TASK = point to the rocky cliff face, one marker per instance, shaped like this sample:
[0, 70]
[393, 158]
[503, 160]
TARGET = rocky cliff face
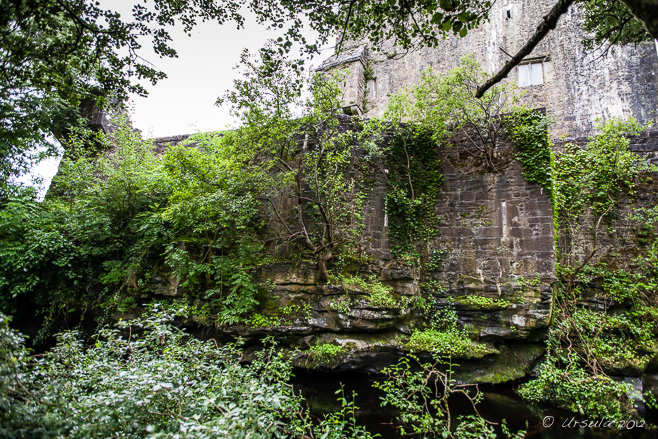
[492, 260]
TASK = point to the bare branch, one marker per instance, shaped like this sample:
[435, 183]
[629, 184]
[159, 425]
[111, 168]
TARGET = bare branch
[548, 23]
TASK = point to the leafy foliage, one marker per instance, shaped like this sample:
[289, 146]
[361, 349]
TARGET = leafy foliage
[97, 232]
[593, 177]
[372, 289]
[452, 343]
[422, 391]
[342, 424]
[612, 23]
[407, 24]
[444, 336]
[209, 210]
[528, 130]
[610, 341]
[577, 390]
[589, 181]
[146, 378]
[414, 178]
[482, 302]
[65, 59]
[326, 353]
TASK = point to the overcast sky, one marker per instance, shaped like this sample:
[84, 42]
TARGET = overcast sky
[184, 102]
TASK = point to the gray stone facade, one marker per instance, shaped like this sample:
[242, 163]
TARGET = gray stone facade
[577, 87]
[496, 237]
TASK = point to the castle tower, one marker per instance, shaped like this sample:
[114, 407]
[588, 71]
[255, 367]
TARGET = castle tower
[574, 86]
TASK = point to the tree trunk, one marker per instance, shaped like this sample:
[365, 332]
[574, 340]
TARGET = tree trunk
[647, 12]
[322, 266]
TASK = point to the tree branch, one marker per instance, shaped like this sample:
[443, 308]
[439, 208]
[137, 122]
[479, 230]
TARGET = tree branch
[339, 46]
[647, 12]
[548, 23]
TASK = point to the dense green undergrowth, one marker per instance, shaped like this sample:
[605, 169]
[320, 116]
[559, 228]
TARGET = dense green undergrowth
[146, 378]
[605, 317]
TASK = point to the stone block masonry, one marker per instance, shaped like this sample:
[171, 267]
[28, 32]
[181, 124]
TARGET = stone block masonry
[496, 241]
[575, 87]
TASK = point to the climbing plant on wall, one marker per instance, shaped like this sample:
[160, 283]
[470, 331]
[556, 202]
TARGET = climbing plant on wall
[585, 345]
[414, 178]
[528, 130]
[589, 182]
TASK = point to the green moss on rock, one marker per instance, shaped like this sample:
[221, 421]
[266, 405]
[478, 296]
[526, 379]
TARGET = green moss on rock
[454, 343]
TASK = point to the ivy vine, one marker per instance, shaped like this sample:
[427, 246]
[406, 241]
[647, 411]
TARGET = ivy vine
[528, 130]
[414, 179]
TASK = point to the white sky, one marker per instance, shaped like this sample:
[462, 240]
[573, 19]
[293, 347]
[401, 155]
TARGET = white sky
[184, 102]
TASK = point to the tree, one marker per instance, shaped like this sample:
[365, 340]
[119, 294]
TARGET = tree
[446, 104]
[306, 153]
[612, 23]
[645, 11]
[58, 54]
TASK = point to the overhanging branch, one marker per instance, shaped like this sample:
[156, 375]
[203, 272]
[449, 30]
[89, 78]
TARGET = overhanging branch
[547, 24]
[647, 12]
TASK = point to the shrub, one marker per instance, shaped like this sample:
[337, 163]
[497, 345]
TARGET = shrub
[452, 342]
[147, 379]
[576, 390]
[325, 353]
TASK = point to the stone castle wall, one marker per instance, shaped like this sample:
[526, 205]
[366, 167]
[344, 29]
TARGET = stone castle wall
[496, 237]
[495, 234]
[578, 87]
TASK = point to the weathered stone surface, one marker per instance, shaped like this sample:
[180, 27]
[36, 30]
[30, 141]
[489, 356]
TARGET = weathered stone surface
[352, 63]
[290, 274]
[366, 353]
[162, 143]
[514, 362]
[578, 87]
[497, 241]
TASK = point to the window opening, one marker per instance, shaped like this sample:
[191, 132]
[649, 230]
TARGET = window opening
[371, 85]
[531, 74]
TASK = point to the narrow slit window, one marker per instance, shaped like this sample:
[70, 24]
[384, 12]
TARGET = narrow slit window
[371, 85]
[509, 13]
